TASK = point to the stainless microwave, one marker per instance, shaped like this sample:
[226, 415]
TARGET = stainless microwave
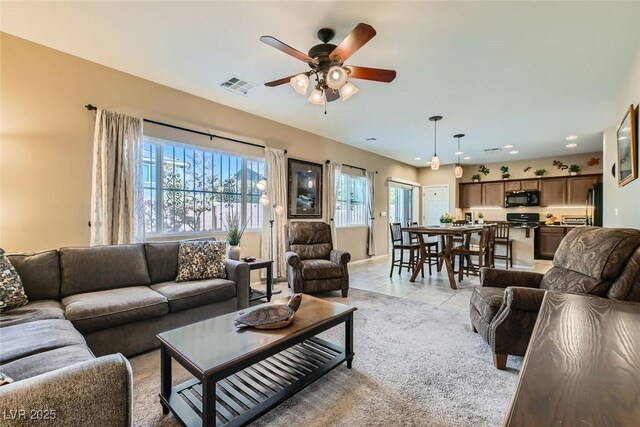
[514, 199]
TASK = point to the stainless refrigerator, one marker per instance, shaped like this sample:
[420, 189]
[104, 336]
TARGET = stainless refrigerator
[594, 205]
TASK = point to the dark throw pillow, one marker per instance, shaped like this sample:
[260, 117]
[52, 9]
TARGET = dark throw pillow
[11, 290]
[201, 260]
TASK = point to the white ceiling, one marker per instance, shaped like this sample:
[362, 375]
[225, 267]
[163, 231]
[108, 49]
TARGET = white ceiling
[521, 73]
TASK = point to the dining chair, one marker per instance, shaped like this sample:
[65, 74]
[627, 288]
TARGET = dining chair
[502, 239]
[483, 251]
[433, 249]
[401, 244]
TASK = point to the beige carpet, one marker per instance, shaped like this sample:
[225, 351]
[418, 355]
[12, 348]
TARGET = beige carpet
[415, 365]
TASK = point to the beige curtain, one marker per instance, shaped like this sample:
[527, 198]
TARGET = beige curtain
[333, 183]
[117, 214]
[371, 242]
[275, 170]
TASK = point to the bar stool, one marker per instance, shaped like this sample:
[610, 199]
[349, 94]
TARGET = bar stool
[483, 251]
[400, 244]
[432, 256]
[502, 239]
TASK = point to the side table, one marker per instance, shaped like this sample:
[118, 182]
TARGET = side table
[259, 264]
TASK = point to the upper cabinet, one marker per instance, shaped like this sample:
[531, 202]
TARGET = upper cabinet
[512, 186]
[530, 184]
[470, 195]
[493, 194]
[578, 187]
[553, 192]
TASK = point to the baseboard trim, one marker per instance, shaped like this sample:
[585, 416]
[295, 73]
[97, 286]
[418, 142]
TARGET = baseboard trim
[361, 261]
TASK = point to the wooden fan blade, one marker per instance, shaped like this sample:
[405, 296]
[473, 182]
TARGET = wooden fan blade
[274, 42]
[331, 95]
[280, 81]
[375, 74]
[357, 38]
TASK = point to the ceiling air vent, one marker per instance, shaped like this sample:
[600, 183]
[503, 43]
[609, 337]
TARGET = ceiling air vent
[238, 85]
[492, 150]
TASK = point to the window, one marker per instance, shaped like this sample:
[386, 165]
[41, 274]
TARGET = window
[191, 189]
[351, 206]
[400, 204]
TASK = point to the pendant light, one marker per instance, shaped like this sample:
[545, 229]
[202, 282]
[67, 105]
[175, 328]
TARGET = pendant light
[435, 161]
[457, 172]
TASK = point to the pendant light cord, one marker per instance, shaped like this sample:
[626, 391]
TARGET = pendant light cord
[435, 138]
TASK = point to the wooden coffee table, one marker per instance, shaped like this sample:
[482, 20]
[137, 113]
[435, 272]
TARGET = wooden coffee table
[241, 374]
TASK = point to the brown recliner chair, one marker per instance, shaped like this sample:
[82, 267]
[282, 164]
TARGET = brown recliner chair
[590, 260]
[312, 263]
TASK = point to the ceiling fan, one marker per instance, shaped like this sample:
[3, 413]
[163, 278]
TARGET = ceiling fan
[327, 63]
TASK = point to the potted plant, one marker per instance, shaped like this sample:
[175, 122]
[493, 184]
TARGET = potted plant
[574, 169]
[446, 220]
[504, 170]
[234, 229]
[539, 172]
[476, 177]
[480, 218]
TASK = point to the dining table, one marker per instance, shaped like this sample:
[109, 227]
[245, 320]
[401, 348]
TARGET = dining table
[447, 233]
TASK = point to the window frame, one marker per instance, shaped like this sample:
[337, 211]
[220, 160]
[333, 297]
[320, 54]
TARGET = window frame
[160, 143]
[365, 197]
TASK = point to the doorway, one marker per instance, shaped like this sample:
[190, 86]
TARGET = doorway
[435, 202]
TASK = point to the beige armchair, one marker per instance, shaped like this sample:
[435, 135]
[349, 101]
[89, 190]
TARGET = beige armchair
[312, 263]
[590, 260]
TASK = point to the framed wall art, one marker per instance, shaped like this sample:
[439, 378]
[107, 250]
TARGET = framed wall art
[305, 189]
[627, 139]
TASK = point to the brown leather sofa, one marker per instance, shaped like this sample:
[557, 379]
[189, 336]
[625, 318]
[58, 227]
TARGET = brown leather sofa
[590, 260]
[312, 263]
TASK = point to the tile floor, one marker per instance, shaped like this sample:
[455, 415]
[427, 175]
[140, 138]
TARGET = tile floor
[373, 275]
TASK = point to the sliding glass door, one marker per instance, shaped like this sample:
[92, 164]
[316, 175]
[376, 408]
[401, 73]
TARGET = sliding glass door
[400, 203]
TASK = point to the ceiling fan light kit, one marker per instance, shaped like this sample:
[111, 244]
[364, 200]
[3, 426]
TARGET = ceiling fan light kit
[327, 63]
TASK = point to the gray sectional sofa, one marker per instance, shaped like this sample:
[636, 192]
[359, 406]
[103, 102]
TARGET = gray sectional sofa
[87, 308]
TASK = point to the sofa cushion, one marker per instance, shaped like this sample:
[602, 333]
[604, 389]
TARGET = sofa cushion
[30, 338]
[564, 280]
[35, 310]
[40, 274]
[597, 252]
[46, 361]
[320, 269]
[162, 261]
[11, 290]
[99, 268]
[184, 295]
[93, 311]
[487, 301]
[201, 260]
[627, 285]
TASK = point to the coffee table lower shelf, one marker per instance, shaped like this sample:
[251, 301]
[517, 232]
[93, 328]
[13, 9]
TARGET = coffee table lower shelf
[245, 395]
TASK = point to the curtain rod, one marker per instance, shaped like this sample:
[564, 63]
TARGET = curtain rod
[350, 166]
[91, 107]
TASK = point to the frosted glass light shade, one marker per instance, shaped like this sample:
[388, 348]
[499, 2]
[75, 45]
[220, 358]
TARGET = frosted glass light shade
[347, 91]
[435, 163]
[336, 77]
[457, 172]
[262, 185]
[264, 200]
[317, 97]
[300, 83]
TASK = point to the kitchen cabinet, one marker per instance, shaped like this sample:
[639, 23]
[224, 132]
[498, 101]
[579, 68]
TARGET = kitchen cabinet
[470, 195]
[547, 241]
[578, 187]
[553, 192]
[493, 194]
[512, 186]
[530, 184]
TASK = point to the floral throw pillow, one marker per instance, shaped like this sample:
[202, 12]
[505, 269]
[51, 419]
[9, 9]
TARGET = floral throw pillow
[11, 291]
[201, 260]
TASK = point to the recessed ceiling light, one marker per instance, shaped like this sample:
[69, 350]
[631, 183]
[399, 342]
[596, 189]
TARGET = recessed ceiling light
[428, 163]
[571, 137]
[513, 152]
[458, 153]
[372, 139]
[572, 145]
[508, 146]
[418, 158]
[466, 158]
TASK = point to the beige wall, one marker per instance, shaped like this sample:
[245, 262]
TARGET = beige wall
[47, 135]
[621, 203]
